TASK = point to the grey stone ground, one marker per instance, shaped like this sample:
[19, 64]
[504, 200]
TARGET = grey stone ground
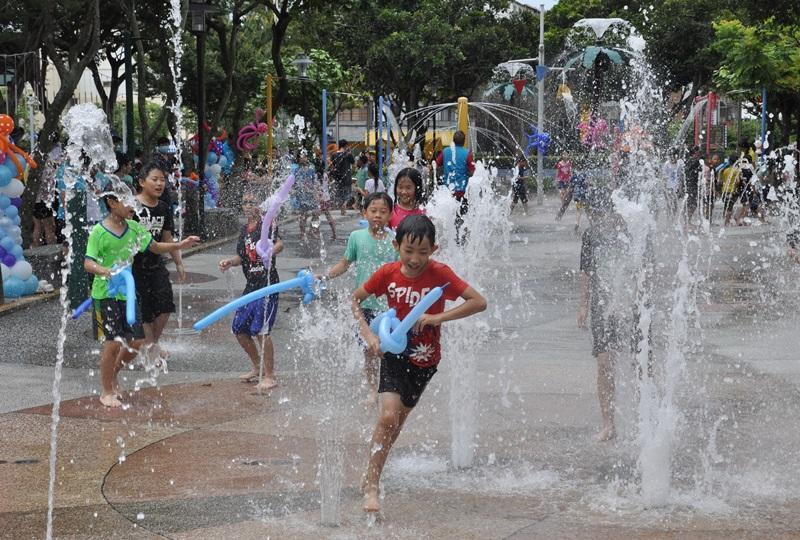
[537, 471]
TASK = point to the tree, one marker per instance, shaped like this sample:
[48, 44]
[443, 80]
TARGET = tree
[412, 50]
[763, 55]
[69, 34]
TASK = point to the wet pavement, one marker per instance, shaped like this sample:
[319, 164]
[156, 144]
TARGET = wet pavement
[206, 456]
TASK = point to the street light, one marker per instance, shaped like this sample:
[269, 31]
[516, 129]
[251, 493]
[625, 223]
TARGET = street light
[541, 70]
[197, 13]
[302, 63]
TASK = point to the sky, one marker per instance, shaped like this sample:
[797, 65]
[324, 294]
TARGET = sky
[535, 3]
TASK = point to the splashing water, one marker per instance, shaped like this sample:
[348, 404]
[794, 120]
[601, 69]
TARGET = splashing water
[467, 248]
[89, 136]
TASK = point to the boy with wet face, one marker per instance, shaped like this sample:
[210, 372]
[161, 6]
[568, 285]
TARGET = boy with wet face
[403, 377]
[605, 296]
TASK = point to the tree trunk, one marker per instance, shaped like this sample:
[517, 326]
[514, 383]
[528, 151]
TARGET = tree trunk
[278, 34]
[87, 46]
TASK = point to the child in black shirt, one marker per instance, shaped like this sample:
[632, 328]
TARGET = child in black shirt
[257, 317]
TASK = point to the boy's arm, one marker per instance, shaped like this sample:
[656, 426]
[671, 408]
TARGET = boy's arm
[277, 247]
[583, 308]
[339, 268]
[373, 343]
[176, 255]
[473, 303]
[224, 264]
[169, 247]
[93, 267]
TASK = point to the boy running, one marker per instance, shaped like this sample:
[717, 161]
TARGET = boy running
[114, 241]
[403, 377]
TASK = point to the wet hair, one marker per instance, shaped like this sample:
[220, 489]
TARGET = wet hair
[414, 175]
[122, 159]
[416, 227]
[343, 143]
[361, 160]
[382, 195]
[733, 158]
[459, 138]
[373, 170]
[162, 141]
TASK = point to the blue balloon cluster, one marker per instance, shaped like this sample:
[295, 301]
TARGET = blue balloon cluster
[220, 160]
[18, 278]
[539, 142]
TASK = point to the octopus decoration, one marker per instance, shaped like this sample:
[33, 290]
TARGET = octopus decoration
[249, 134]
[8, 148]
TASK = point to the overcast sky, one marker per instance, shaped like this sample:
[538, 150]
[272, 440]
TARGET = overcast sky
[535, 3]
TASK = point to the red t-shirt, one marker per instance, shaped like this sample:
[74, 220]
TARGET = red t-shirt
[403, 293]
[399, 214]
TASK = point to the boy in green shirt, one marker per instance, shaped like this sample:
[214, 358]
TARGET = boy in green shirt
[115, 241]
[369, 248]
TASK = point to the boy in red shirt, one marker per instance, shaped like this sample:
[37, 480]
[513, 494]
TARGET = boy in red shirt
[403, 377]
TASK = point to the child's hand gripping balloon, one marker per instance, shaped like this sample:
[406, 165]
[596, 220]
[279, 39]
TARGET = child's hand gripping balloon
[393, 332]
[264, 246]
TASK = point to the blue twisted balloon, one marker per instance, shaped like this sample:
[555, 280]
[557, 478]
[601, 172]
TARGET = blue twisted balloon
[393, 332]
[537, 141]
[121, 282]
[305, 280]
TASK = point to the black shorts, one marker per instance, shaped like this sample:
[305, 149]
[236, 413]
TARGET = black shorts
[400, 376]
[520, 193]
[154, 293]
[110, 314]
[609, 333]
[42, 211]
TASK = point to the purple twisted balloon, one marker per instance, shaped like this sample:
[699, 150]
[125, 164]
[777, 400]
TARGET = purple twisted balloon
[264, 245]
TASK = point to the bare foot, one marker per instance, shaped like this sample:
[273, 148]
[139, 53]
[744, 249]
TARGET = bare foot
[250, 376]
[372, 502]
[267, 383]
[110, 400]
[608, 433]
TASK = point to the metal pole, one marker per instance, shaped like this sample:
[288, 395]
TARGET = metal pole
[388, 138]
[324, 129]
[130, 144]
[269, 122]
[31, 125]
[201, 120]
[540, 113]
[380, 137]
[338, 137]
[763, 119]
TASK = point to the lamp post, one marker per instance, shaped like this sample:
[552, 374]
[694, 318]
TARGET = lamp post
[302, 63]
[197, 15]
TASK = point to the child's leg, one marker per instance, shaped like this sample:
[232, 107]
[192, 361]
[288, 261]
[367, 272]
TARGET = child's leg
[371, 364]
[36, 236]
[108, 374]
[249, 346]
[605, 394]
[391, 418]
[268, 354]
[153, 330]
[301, 222]
[127, 352]
[331, 223]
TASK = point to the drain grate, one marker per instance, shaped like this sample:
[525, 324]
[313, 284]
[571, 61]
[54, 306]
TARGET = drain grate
[27, 461]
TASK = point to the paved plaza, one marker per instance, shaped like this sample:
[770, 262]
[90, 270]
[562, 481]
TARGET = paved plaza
[206, 456]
